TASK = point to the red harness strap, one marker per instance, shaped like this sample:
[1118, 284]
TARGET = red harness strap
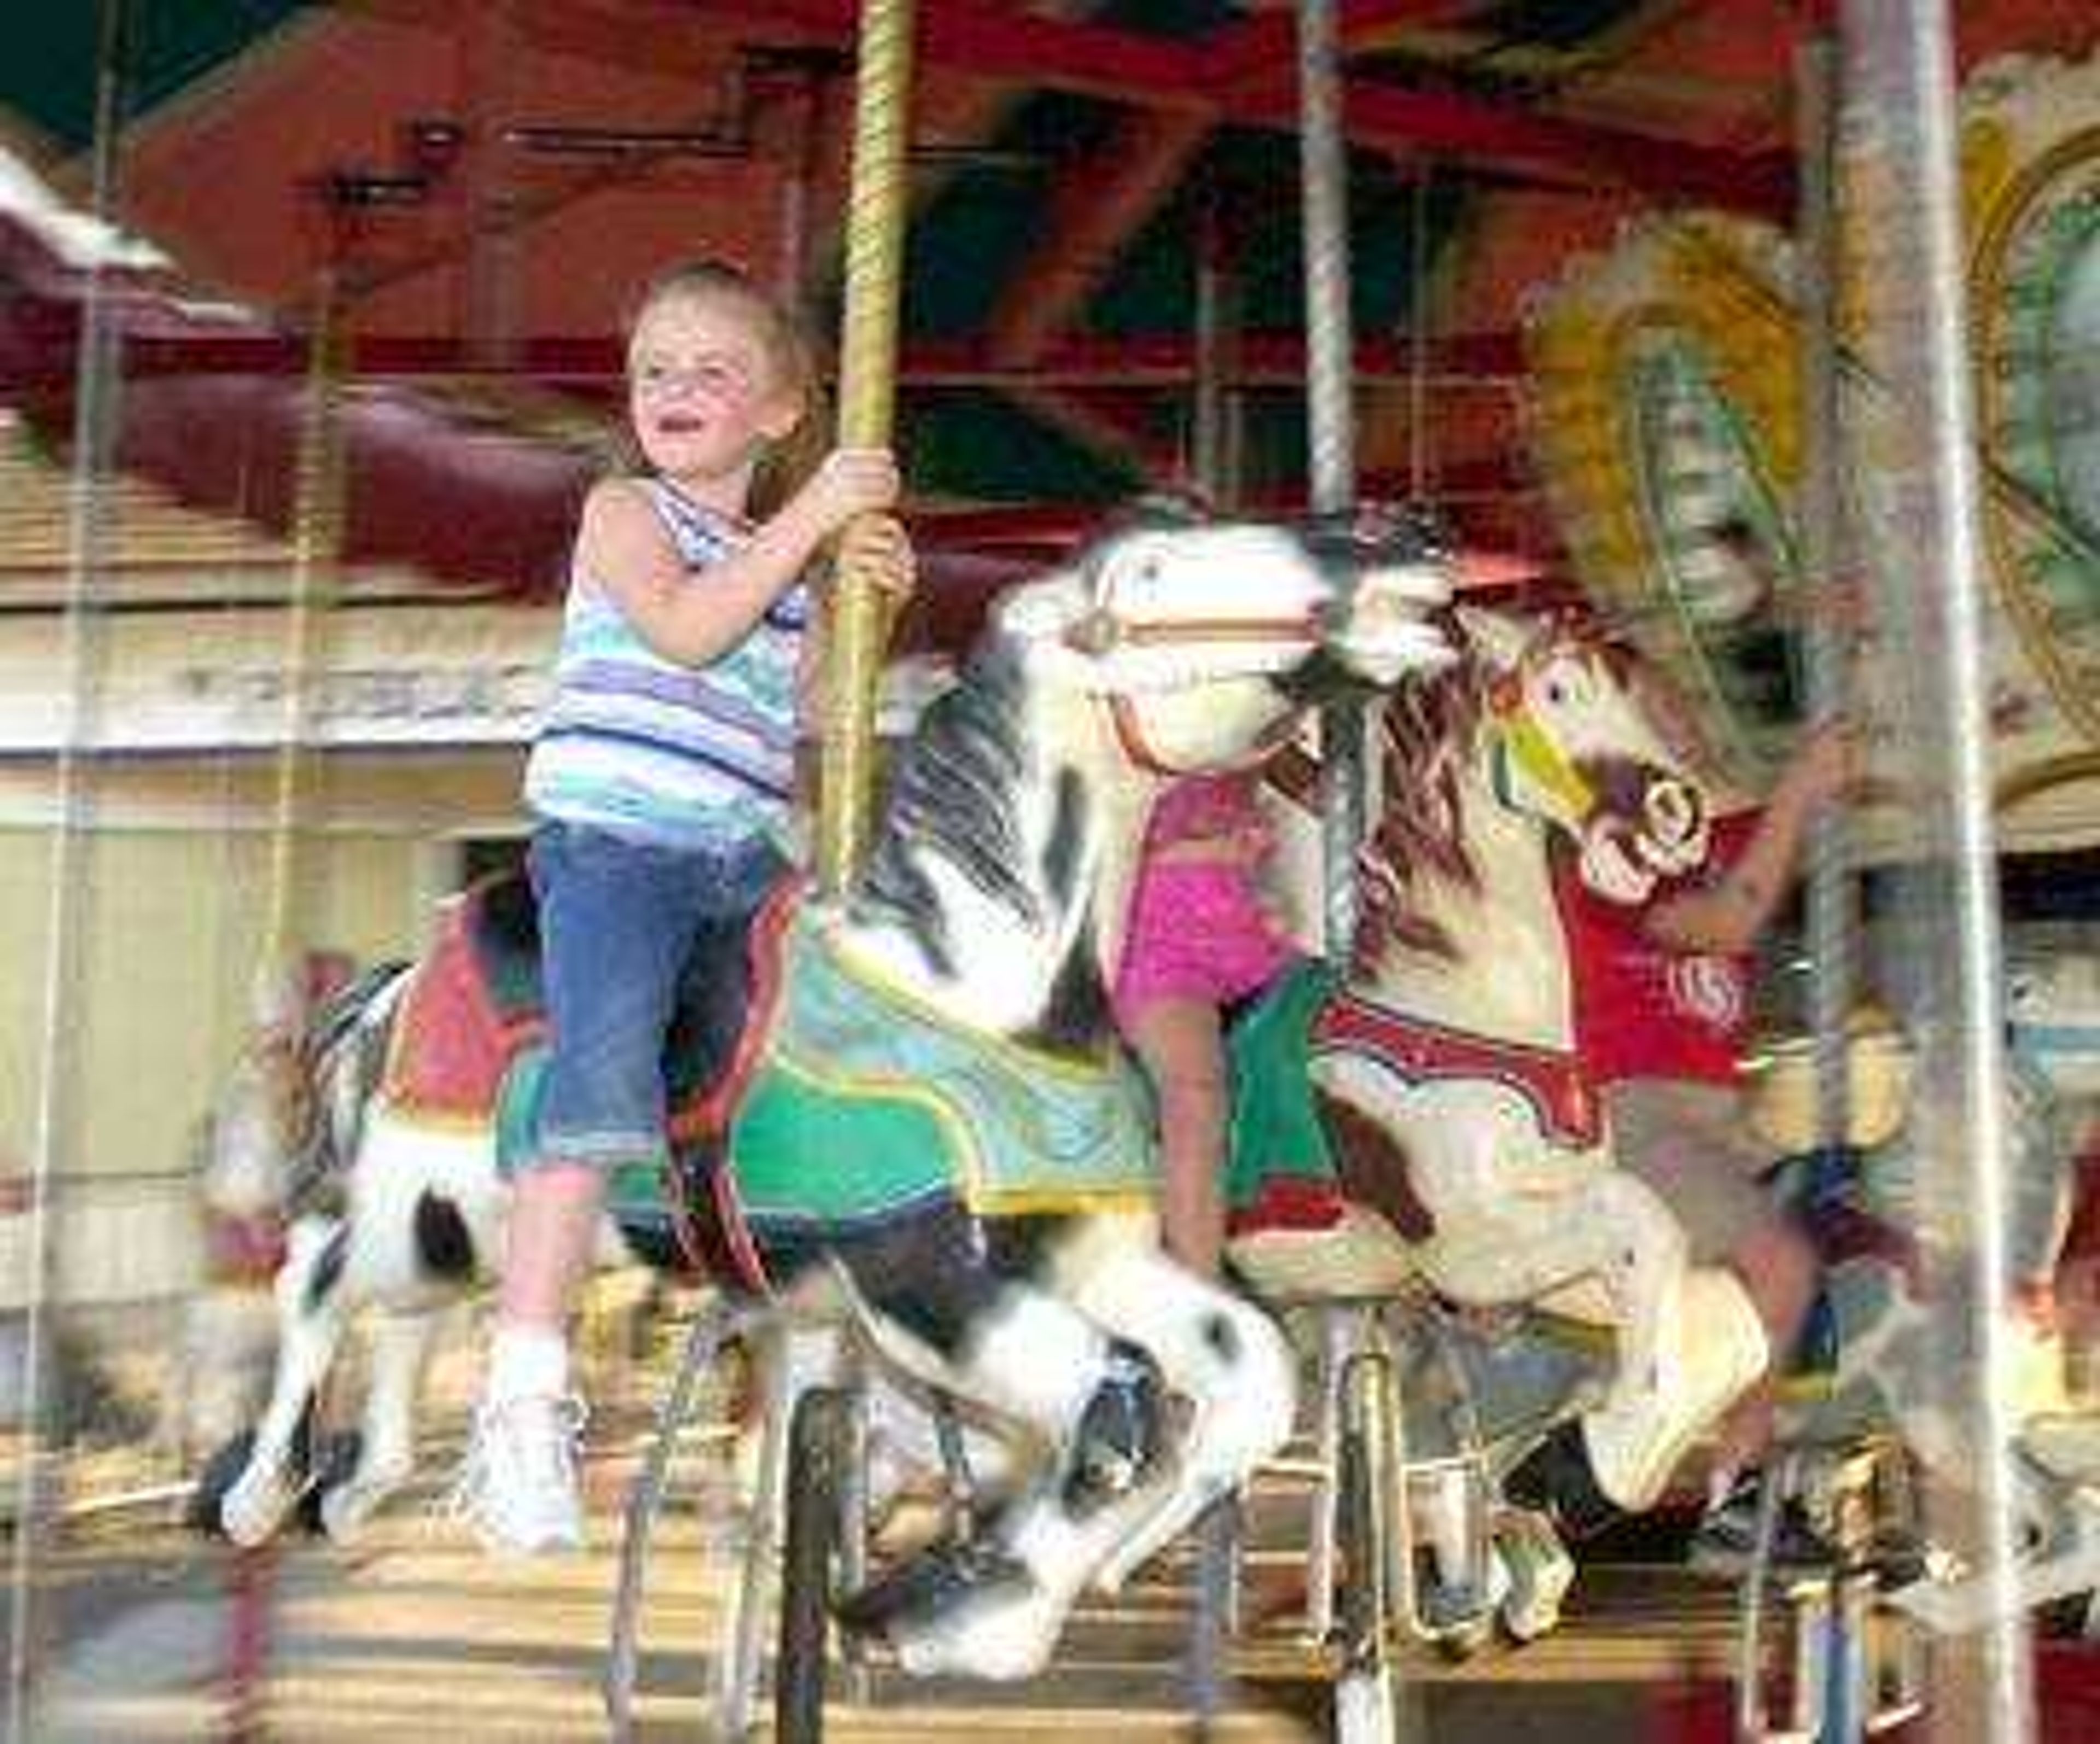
[1420, 1051]
[715, 1236]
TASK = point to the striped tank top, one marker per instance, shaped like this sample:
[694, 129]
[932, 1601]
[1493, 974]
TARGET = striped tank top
[642, 747]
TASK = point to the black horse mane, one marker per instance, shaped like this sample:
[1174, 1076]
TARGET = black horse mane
[951, 794]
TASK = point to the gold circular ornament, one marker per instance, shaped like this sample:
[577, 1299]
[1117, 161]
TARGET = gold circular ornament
[1664, 422]
[2035, 333]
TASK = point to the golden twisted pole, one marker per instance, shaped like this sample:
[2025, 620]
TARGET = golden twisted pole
[317, 523]
[867, 392]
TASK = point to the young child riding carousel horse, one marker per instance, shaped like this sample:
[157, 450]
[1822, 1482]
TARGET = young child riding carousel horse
[1663, 1014]
[1201, 937]
[663, 778]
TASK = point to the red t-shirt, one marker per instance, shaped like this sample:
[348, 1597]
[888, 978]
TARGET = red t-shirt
[1642, 1009]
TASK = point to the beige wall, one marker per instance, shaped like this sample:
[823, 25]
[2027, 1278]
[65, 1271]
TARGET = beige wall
[171, 908]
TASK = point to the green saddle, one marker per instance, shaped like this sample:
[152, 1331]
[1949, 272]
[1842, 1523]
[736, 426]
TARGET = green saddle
[866, 1101]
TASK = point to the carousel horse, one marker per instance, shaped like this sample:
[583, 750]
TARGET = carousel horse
[271, 1148]
[1886, 1345]
[921, 1103]
[281, 1109]
[1451, 1137]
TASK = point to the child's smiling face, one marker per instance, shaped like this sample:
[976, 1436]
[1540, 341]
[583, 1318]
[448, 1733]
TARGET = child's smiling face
[703, 392]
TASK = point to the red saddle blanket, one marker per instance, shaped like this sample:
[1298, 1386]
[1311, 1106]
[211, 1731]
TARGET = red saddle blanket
[452, 1042]
[474, 1005]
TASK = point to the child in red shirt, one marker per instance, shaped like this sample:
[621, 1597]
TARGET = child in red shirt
[1663, 1000]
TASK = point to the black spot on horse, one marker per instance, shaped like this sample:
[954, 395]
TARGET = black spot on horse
[328, 1268]
[951, 795]
[1068, 828]
[1075, 1015]
[444, 1243]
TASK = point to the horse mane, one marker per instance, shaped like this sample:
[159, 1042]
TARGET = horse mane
[951, 795]
[1427, 732]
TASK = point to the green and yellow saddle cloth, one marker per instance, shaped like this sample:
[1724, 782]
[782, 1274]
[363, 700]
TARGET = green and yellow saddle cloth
[861, 1102]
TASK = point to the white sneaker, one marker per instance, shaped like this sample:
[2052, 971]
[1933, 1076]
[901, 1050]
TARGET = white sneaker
[518, 1484]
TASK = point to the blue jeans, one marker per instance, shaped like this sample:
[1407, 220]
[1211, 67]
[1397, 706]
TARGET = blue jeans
[618, 919]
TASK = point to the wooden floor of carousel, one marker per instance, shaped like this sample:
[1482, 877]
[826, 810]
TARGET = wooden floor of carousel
[417, 1634]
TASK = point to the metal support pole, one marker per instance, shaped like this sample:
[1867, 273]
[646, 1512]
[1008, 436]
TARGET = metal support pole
[1212, 470]
[97, 410]
[1832, 910]
[1330, 424]
[1213, 447]
[867, 385]
[1899, 86]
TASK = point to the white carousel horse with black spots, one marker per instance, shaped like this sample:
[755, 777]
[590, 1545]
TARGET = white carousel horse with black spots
[940, 1053]
[1468, 1149]
[273, 1150]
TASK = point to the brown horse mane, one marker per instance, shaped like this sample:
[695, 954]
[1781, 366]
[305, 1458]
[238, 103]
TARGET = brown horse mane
[1429, 730]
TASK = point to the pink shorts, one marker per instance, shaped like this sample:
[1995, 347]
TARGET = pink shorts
[1196, 932]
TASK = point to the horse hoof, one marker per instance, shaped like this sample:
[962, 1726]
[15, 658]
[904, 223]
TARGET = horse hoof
[217, 1476]
[1557, 1479]
[334, 1483]
[1001, 1634]
[913, 1595]
[969, 1610]
[255, 1507]
[1460, 1642]
[1537, 1572]
[341, 1515]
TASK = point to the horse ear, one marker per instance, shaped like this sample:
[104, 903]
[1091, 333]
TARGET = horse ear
[1162, 510]
[1498, 640]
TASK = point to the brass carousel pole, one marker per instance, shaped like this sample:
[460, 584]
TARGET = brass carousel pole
[856, 628]
[316, 549]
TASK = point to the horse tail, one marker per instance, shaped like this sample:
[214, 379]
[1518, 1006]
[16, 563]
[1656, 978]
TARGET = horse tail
[346, 1058]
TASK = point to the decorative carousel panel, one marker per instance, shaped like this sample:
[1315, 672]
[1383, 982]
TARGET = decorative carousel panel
[1665, 424]
[1665, 421]
[2031, 161]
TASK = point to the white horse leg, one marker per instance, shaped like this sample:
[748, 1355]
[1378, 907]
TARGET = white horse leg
[1691, 1343]
[1689, 1339]
[400, 1342]
[1538, 1570]
[310, 1292]
[1116, 1487]
[1039, 1362]
[1219, 1351]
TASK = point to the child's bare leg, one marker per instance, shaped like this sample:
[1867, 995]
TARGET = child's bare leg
[1182, 1046]
[519, 1485]
[553, 1232]
[1778, 1267]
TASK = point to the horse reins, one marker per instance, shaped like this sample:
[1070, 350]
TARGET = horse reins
[1103, 630]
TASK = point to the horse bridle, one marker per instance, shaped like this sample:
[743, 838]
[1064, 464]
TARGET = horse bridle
[1105, 629]
[1534, 752]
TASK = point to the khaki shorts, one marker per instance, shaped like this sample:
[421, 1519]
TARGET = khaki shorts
[1691, 1140]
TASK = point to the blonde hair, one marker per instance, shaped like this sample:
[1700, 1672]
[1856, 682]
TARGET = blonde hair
[789, 350]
